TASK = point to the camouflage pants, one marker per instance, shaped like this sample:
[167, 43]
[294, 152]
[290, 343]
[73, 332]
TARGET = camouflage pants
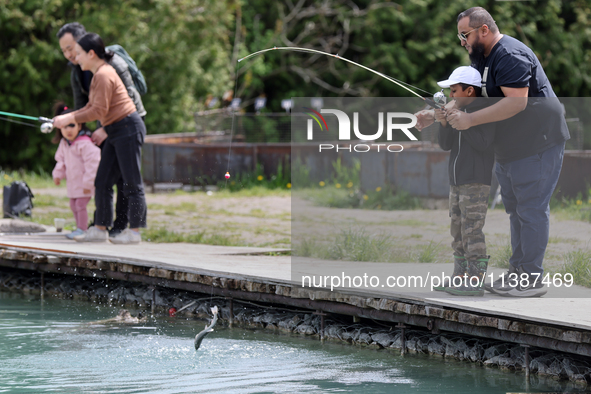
[467, 209]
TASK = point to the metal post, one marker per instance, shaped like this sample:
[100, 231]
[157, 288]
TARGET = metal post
[153, 306]
[402, 338]
[526, 361]
[321, 314]
[231, 312]
[42, 285]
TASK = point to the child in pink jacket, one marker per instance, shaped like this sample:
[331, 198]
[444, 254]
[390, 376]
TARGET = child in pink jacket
[77, 161]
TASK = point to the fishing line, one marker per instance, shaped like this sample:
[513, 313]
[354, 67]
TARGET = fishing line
[18, 122]
[46, 127]
[232, 131]
[437, 101]
[393, 80]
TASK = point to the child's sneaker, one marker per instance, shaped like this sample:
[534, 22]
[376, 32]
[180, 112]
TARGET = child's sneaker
[127, 236]
[93, 235]
[75, 233]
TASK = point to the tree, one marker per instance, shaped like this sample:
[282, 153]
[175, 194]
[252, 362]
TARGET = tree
[180, 52]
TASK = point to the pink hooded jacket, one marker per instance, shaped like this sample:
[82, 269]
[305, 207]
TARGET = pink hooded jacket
[77, 163]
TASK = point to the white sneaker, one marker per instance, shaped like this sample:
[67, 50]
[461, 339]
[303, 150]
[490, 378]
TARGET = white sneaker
[93, 234]
[127, 236]
[75, 233]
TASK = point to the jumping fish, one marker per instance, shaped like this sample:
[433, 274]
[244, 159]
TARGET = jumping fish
[199, 337]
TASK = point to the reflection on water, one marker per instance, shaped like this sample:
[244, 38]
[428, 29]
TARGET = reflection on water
[50, 347]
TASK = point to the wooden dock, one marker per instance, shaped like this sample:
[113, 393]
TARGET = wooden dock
[559, 321]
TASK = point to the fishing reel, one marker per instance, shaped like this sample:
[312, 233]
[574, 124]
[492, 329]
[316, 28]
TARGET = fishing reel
[439, 98]
[47, 125]
[439, 101]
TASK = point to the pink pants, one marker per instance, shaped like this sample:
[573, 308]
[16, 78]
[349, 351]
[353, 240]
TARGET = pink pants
[78, 206]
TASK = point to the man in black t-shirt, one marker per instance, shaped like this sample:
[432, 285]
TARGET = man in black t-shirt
[529, 142]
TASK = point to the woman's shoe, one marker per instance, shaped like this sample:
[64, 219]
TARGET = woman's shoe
[75, 233]
[93, 235]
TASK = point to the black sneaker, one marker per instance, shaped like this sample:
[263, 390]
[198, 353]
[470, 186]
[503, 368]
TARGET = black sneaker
[505, 283]
[532, 287]
[115, 232]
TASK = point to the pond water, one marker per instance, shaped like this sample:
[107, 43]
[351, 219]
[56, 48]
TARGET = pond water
[48, 346]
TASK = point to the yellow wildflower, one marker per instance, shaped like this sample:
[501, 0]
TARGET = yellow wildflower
[365, 197]
[350, 184]
[289, 185]
[321, 183]
[260, 177]
[378, 189]
[338, 185]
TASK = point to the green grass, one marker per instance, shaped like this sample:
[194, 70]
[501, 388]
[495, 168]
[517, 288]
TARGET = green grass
[557, 240]
[388, 198]
[331, 197]
[253, 191]
[347, 196]
[429, 253]
[47, 200]
[500, 254]
[350, 244]
[35, 180]
[411, 223]
[357, 244]
[577, 263]
[578, 208]
[162, 235]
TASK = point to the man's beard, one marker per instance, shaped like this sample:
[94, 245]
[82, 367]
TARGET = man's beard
[477, 55]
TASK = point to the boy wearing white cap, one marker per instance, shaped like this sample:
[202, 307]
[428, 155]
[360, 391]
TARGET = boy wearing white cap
[470, 172]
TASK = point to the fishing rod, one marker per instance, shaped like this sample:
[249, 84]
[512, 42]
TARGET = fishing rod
[46, 126]
[438, 100]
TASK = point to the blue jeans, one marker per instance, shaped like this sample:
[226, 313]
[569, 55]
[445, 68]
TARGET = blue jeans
[526, 188]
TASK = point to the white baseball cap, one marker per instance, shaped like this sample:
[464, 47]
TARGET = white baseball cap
[465, 74]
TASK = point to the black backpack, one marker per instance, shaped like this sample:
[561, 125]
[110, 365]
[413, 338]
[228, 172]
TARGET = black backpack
[18, 200]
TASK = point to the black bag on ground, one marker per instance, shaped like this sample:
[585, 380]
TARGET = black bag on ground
[18, 200]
